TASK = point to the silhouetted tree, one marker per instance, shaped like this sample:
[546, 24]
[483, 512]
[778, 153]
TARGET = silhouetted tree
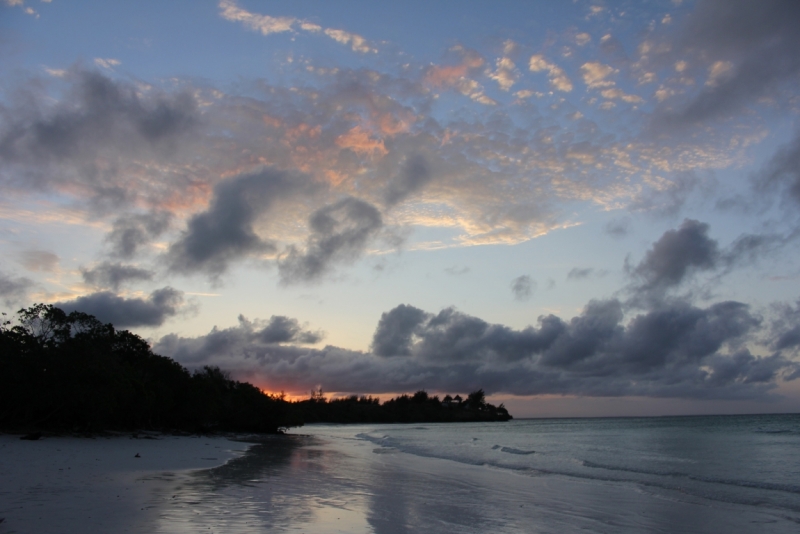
[70, 371]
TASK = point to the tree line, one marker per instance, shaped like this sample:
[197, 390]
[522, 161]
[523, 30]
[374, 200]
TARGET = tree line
[70, 372]
[416, 408]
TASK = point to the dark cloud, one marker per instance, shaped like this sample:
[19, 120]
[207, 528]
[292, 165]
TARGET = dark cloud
[413, 177]
[249, 338]
[396, 330]
[678, 350]
[785, 329]
[82, 137]
[675, 255]
[759, 39]
[126, 313]
[577, 273]
[339, 233]
[226, 231]
[114, 275]
[618, 228]
[130, 232]
[681, 253]
[14, 289]
[97, 112]
[523, 287]
[782, 174]
[749, 248]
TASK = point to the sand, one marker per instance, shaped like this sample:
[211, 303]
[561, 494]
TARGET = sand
[69, 484]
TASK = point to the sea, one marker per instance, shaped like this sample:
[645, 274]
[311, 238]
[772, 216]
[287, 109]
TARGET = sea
[731, 473]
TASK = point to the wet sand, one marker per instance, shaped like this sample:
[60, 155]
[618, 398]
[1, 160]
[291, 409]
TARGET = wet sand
[66, 484]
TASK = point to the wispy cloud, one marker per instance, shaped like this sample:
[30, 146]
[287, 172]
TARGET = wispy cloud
[267, 25]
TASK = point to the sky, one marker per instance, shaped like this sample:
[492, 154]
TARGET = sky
[585, 208]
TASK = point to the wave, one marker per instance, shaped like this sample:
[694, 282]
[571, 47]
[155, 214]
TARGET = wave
[788, 488]
[512, 450]
[666, 479]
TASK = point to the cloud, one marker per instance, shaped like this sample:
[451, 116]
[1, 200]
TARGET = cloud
[414, 175]
[267, 25]
[618, 228]
[128, 312]
[130, 232]
[460, 76]
[679, 254]
[784, 332]
[676, 255]
[339, 233]
[356, 42]
[505, 73]
[108, 63]
[89, 142]
[523, 287]
[14, 289]
[226, 231]
[396, 329]
[361, 133]
[249, 338]
[757, 42]
[261, 23]
[782, 173]
[21, 4]
[114, 275]
[676, 351]
[39, 260]
[457, 271]
[97, 113]
[558, 78]
[670, 196]
[577, 273]
[595, 75]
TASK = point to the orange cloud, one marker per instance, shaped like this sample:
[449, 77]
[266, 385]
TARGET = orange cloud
[359, 141]
[445, 76]
[335, 178]
[271, 122]
[450, 75]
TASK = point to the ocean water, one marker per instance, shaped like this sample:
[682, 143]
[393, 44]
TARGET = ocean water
[745, 459]
[617, 475]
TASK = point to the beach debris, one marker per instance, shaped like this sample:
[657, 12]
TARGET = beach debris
[137, 455]
[33, 436]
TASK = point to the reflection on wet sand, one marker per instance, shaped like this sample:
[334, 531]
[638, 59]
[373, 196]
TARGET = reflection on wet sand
[301, 483]
[281, 483]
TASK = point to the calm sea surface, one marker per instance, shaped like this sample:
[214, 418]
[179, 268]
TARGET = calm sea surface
[667, 474]
[745, 459]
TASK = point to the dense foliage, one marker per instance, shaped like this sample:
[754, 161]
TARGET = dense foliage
[416, 408]
[63, 371]
[70, 372]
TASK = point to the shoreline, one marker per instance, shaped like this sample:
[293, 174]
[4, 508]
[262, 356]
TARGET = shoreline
[323, 479]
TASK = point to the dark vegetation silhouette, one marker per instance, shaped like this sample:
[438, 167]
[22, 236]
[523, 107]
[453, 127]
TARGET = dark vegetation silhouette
[70, 372]
[417, 408]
